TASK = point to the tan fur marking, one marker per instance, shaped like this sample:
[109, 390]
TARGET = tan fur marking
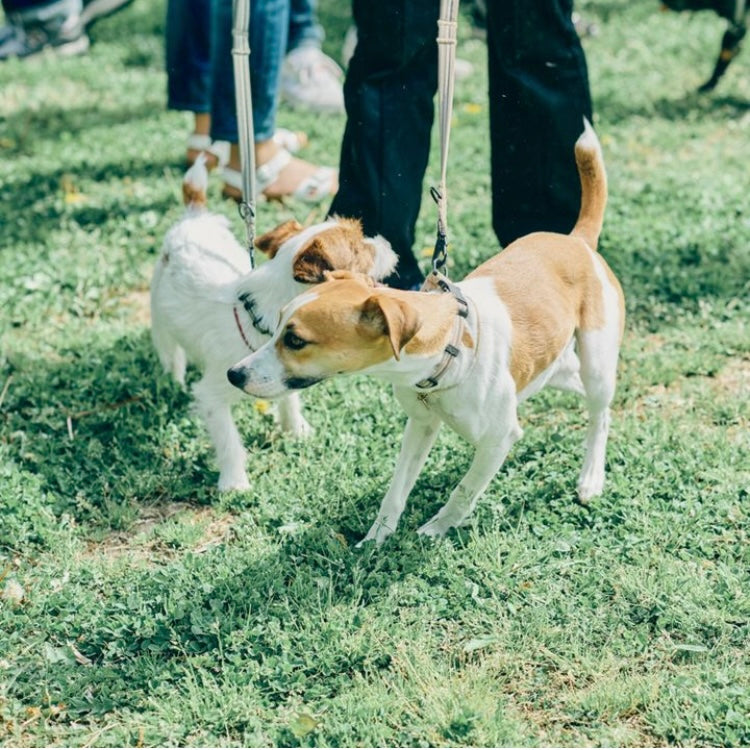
[191, 195]
[549, 286]
[341, 246]
[270, 242]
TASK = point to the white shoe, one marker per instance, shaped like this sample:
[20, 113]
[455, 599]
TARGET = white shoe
[311, 80]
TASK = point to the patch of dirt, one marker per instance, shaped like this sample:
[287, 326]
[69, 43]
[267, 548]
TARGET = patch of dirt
[139, 302]
[139, 544]
[731, 383]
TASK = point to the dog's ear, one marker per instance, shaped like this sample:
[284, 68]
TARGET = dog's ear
[270, 242]
[312, 263]
[389, 316]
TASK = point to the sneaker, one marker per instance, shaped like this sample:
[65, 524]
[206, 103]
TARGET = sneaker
[56, 26]
[64, 35]
[311, 80]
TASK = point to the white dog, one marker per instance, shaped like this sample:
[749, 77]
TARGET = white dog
[546, 310]
[209, 308]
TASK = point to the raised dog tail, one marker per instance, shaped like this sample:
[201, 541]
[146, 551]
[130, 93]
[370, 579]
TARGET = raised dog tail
[593, 176]
[195, 184]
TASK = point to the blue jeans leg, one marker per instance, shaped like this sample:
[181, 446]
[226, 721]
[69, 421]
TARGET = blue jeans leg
[188, 55]
[304, 29]
[269, 27]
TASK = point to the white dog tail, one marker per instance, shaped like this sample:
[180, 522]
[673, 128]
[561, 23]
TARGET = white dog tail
[195, 183]
[593, 176]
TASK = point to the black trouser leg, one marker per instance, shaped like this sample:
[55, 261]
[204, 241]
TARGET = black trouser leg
[539, 94]
[389, 90]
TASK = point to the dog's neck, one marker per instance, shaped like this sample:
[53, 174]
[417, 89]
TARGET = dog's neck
[263, 293]
[423, 365]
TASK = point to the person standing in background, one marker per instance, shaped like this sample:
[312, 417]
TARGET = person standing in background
[539, 94]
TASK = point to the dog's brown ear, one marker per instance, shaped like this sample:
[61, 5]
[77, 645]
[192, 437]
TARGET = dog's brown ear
[270, 242]
[312, 263]
[392, 317]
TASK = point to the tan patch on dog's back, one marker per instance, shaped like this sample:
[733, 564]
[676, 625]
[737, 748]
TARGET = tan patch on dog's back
[549, 286]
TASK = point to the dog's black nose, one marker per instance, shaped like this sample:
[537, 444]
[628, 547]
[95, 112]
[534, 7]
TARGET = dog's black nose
[236, 376]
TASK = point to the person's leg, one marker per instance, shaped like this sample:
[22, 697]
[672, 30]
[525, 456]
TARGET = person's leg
[539, 95]
[268, 34]
[188, 55]
[188, 63]
[389, 90]
[268, 38]
[304, 29]
[309, 79]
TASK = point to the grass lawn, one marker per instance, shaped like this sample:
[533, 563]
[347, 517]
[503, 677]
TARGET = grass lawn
[141, 607]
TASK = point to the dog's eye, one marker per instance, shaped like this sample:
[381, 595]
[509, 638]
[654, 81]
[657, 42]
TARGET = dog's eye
[293, 341]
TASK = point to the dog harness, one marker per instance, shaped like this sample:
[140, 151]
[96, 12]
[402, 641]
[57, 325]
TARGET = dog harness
[440, 283]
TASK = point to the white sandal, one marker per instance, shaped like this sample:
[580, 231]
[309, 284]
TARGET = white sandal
[292, 141]
[218, 149]
[319, 185]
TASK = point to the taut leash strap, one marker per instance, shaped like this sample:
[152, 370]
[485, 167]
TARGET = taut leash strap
[244, 104]
[446, 41]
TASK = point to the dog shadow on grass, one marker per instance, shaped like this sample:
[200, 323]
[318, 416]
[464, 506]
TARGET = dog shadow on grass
[688, 106]
[106, 431]
[100, 196]
[47, 122]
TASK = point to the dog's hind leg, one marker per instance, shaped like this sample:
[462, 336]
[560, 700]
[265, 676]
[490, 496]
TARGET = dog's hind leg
[488, 458]
[213, 403]
[567, 376]
[171, 354]
[598, 354]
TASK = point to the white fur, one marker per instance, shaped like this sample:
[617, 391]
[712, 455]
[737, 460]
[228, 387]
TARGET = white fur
[197, 283]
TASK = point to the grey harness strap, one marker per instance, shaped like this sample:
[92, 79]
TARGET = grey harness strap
[441, 283]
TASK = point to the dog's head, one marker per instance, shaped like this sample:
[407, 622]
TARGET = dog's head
[337, 244]
[344, 325]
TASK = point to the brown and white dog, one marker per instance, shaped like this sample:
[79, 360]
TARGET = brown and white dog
[545, 311]
[209, 308]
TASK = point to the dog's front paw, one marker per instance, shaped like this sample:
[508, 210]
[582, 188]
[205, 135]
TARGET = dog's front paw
[230, 482]
[590, 485]
[435, 527]
[378, 533]
[301, 429]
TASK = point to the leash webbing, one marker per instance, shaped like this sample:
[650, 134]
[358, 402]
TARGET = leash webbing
[446, 41]
[244, 105]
